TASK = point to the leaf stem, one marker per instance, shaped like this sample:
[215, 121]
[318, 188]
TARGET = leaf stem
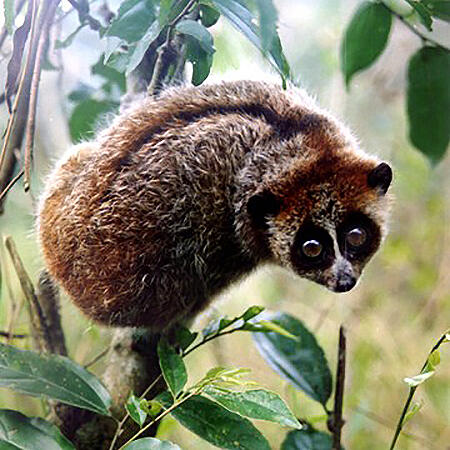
[415, 30]
[161, 416]
[210, 338]
[412, 390]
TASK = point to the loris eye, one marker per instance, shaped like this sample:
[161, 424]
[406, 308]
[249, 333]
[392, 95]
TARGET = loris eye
[356, 237]
[312, 248]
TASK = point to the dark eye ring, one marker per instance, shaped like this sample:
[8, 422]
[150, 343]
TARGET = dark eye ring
[356, 237]
[312, 248]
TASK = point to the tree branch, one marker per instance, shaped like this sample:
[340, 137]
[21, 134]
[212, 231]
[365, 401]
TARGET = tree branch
[158, 71]
[336, 423]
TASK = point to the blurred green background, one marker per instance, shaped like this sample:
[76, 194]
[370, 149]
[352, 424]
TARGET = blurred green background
[396, 313]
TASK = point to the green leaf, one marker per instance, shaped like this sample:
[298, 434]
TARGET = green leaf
[198, 32]
[120, 59]
[81, 92]
[53, 376]
[208, 15]
[413, 410]
[268, 18]
[438, 8]
[423, 13]
[217, 425]
[307, 439]
[271, 326]
[301, 361]
[152, 407]
[251, 312]
[223, 378]
[434, 359]
[110, 74]
[418, 379]
[135, 410]
[365, 38]
[86, 115]
[151, 444]
[165, 7]
[254, 327]
[172, 366]
[142, 46]
[428, 104]
[21, 432]
[8, 12]
[223, 322]
[184, 337]
[133, 20]
[243, 20]
[217, 325]
[255, 404]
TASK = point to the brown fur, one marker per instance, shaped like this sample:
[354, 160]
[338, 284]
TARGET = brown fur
[143, 226]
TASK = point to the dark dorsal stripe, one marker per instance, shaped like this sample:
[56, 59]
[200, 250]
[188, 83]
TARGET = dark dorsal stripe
[284, 127]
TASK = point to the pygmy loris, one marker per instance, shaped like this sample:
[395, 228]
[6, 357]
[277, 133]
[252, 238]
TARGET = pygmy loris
[186, 193]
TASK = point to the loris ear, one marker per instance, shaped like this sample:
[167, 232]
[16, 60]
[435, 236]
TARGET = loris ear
[261, 206]
[380, 178]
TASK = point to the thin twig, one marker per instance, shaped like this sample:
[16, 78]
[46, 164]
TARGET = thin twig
[31, 123]
[412, 390]
[19, 112]
[37, 318]
[14, 307]
[337, 420]
[11, 184]
[414, 30]
[96, 358]
[21, 88]
[48, 297]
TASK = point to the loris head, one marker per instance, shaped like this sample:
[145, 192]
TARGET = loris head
[326, 218]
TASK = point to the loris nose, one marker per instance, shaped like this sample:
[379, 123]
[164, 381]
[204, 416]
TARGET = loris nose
[345, 283]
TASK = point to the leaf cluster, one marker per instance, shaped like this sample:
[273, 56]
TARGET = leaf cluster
[428, 89]
[148, 29]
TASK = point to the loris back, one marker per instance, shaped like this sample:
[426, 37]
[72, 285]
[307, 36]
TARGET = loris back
[184, 194]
